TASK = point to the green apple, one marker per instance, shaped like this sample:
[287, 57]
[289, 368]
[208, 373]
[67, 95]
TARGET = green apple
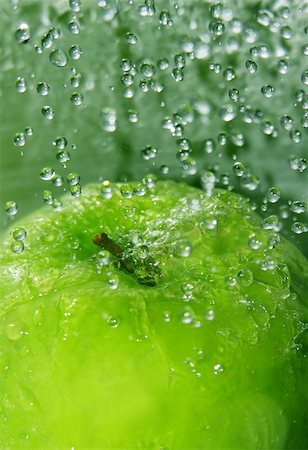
[151, 316]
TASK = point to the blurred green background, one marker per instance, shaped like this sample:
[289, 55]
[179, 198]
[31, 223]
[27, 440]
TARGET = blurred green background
[209, 39]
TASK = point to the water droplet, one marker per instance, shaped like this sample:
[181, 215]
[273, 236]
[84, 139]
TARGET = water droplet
[286, 122]
[149, 152]
[267, 90]
[229, 74]
[305, 49]
[60, 142]
[179, 61]
[47, 173]
[48, 197]
[109, 120]
[295, 136]
[270, 223]
[74, 27]
[267, 128]
[239, 169]
[23, 34]
[43, 88]
[73, 178]
[112, 280]
[182, 248]
[11, 208]
[286, 32]
[127, 79]
[234, 95]
[217, 27]
[63, 157]
[29, 131]
[208, 145]
[106, 190]
[58, 58]
[75, 190]
[19, 139]
[75, 52]
[114, 321]
[273, 194]
[48, 112]
[298, 163]
[131, 38]
[304, 77]
[245, 277]
[76, 98]
[165, 18]
[299, 228]
[127, 190]
[75, 5]
[298, 207]
[218, 369]
[283, 66]
[19, 234]
[177, 74]
[21, 85]
[251, 66]
[14, 330]
[163, 64]
[17, 247]
[227, 113]
[147, 70]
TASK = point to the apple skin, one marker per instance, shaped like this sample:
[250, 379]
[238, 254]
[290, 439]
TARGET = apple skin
[91, 357]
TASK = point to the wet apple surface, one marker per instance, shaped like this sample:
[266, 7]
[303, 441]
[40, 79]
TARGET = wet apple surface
[208, 356]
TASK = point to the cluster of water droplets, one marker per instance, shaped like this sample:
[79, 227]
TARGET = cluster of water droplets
[245, 67]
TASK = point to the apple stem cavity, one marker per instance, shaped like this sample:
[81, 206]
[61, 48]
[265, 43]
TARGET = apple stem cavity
[144, 274]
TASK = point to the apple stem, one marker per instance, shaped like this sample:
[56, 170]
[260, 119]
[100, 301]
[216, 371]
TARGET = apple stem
[145, 271]
[104, 241]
